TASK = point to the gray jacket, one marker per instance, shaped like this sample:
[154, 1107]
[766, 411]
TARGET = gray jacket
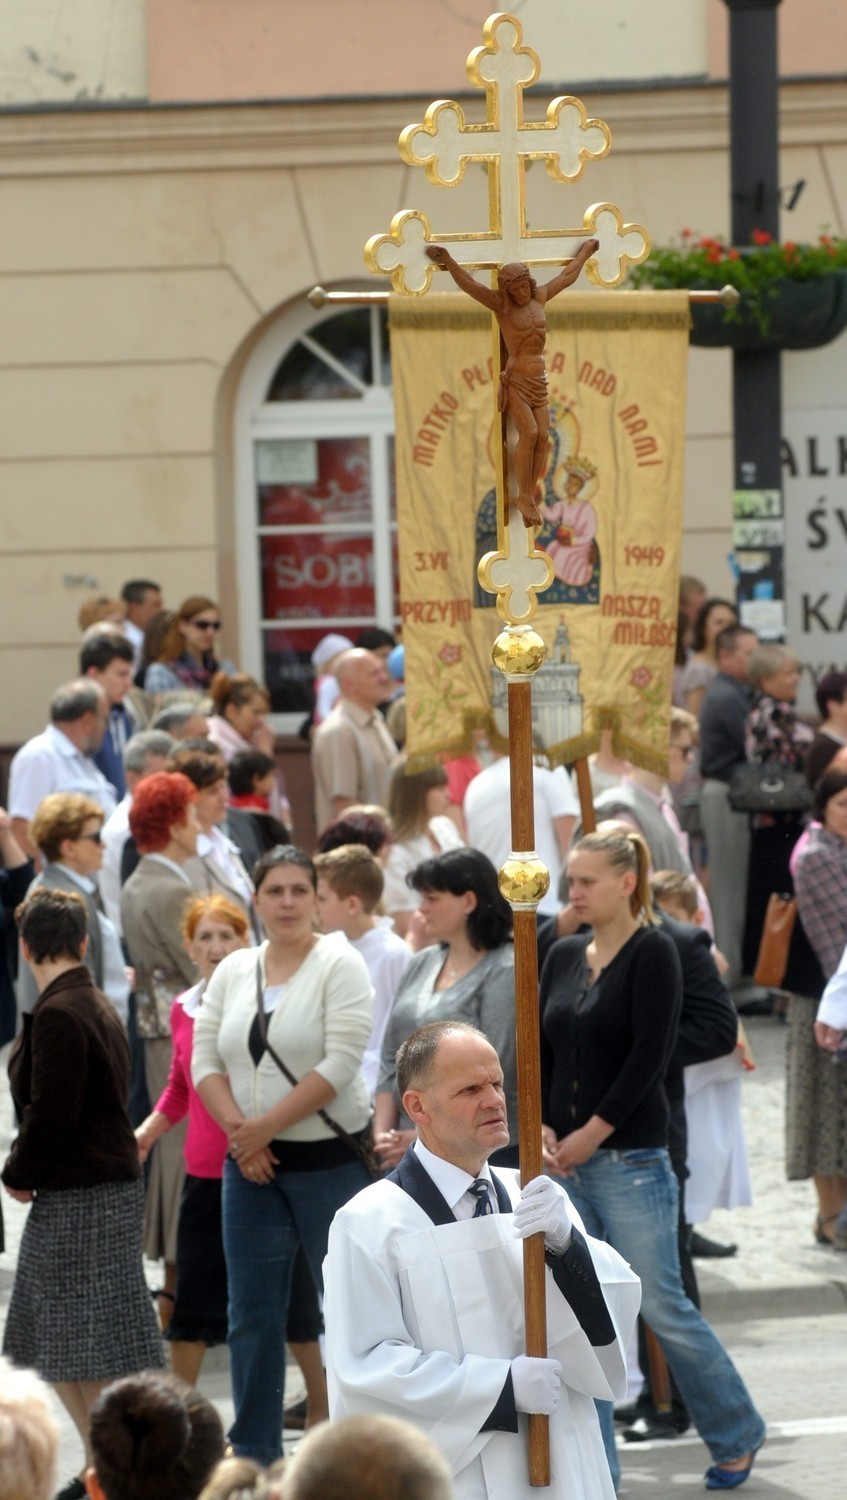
[54, 878]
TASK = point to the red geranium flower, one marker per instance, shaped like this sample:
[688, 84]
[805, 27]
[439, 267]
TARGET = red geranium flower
[761, 237]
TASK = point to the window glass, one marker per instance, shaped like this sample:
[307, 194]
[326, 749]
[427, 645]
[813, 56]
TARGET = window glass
[323, 489]
[314, 481]
[317, 576]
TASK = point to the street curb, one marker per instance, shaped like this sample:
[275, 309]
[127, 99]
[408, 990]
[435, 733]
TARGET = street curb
[745, 1303]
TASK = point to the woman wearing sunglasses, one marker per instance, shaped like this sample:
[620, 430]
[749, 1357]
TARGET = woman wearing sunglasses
[187, 656]
[66, 828]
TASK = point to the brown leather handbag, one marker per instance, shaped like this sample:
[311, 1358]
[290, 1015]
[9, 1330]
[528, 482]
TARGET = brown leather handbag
[775, 941]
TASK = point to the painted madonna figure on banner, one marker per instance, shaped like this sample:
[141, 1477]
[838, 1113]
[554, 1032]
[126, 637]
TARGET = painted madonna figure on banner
[568, 534]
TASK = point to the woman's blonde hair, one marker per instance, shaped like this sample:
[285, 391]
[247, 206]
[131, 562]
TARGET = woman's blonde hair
[627, 852]
[60, 816]
[29, 1436]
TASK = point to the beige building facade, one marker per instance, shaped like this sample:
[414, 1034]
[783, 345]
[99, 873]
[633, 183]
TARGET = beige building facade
[176, 175]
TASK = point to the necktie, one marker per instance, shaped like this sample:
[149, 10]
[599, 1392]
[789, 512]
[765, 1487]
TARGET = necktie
[479, 1188]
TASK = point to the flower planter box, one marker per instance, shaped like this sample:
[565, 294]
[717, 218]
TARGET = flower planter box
[799, 315]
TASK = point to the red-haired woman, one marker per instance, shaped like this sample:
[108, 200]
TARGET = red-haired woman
[186, 658]
[163, 823]
[212, 927]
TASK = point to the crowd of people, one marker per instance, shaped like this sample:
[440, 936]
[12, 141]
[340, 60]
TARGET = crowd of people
[269, 1071]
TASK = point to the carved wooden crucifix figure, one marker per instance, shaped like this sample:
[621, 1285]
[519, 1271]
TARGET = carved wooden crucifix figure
[518, 305]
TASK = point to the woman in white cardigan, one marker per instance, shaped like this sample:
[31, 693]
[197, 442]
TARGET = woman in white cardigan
[303, 1001]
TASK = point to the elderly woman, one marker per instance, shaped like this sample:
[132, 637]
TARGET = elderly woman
[80, 1310]
[774, 733]
[212, 927]
[163, 823]
[66, 830]
[467, 974]
[816, 1091]
[278, 1046]
[185, 657]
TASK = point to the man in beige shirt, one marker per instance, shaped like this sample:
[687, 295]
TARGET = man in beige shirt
[352, 750]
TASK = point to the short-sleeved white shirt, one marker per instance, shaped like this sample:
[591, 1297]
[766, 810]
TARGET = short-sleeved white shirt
[51, 763]
[487, 824]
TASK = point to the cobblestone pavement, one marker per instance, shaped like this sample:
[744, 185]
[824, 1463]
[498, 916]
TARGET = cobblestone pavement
[780, 1305]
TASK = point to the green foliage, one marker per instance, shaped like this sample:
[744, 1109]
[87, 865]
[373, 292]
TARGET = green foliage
[753, 269]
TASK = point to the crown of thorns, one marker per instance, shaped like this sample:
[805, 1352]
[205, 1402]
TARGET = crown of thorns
[514, 270]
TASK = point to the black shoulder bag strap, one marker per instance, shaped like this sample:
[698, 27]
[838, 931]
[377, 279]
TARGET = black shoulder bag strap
[361, 1146]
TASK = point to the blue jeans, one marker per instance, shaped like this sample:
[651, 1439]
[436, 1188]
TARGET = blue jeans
[263, 1225]
[630, 1198]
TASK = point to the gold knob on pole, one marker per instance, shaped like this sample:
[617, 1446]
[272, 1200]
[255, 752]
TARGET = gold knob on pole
[524, 880]
[518, 651]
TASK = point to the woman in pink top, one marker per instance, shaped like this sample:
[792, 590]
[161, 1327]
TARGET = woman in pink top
[212, 928]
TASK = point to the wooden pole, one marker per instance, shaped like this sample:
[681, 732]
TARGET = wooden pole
[528, 1056]
[586, 796]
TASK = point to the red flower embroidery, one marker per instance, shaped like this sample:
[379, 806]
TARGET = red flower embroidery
[450, 655]
[641, 677]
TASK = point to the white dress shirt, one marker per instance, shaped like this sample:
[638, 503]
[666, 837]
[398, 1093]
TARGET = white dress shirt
[454, 1184]
[51, 763]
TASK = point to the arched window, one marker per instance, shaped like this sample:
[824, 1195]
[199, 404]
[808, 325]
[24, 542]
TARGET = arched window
[316, 517]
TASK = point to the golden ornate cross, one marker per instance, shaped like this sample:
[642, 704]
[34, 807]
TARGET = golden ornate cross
[444, 145]
[566, 140]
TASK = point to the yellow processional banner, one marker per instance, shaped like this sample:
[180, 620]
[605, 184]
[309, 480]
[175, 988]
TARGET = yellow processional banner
[612, 509]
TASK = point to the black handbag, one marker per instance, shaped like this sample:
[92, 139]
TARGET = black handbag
[769, 787]
[361, 1144]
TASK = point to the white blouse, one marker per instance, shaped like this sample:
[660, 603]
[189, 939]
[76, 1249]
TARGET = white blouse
[320, 1024]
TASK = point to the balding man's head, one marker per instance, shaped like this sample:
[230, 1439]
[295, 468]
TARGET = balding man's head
[362, 678]
[452, 1091]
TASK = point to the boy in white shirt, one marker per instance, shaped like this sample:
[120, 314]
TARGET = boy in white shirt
[350, 883]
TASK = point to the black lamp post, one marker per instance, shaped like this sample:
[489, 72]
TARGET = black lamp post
[757, 394]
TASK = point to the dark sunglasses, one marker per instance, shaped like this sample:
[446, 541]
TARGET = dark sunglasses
[206, 624]
[94, 838]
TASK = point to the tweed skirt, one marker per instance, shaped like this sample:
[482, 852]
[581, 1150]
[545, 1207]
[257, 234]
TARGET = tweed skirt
[815, 1100]
[80, 1308]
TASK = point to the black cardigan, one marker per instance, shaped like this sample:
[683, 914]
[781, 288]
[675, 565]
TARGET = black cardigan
[605, 1045]
[69, 1075]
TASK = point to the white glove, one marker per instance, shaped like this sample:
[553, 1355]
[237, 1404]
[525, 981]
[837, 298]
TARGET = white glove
[544, 1209]
[536, 1384]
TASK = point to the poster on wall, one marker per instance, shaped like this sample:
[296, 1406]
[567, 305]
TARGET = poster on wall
[814, 466]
